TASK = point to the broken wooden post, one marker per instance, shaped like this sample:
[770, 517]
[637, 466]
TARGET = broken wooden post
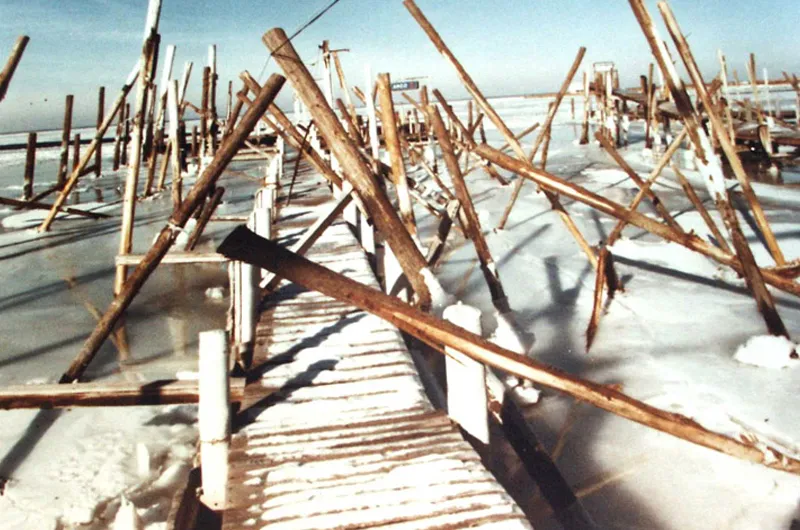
[213, 417]
[244, 245]
[390, 135]
[30, 166]
[548, 123]
[167, 236]
[66, 135]
[116, 110]
[11, 64]
[377, 204]
[473, 225]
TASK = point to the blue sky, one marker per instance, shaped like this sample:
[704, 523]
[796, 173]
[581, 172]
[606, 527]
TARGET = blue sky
[508, 46]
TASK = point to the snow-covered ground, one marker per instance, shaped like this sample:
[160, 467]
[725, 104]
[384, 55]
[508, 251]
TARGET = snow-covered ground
[670, 339]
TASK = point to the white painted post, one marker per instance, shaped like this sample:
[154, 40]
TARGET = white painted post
[467, 401]
[214, 417]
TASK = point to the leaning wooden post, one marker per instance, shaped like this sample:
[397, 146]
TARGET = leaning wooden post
[30, 166]
[377, 204]
[116, 110]
[132, 180]
[395, 154]
[66, 135]
[213, 417]
[710, 165]
[698, 204]
[98, 152]
[548, 122]
[242, 244]
[11, 64]
[167, 236]
[473, 225]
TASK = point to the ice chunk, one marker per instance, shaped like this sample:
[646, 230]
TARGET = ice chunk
[768, 351]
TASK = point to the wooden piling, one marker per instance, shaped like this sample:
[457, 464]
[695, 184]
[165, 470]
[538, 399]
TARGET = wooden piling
[66, 135]
[30, 167]
[381, 212]
[98, 152]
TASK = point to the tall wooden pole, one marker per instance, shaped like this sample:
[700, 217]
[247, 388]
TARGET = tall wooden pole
[212, 99]
[151, 40]
[66, 135]
[166, 237]
[11, 64]
[204, 149]
[364, 182]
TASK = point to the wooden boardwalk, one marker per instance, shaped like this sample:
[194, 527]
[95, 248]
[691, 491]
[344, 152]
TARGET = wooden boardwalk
[350, 440]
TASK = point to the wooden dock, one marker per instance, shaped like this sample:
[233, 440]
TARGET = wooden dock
[350, 440]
